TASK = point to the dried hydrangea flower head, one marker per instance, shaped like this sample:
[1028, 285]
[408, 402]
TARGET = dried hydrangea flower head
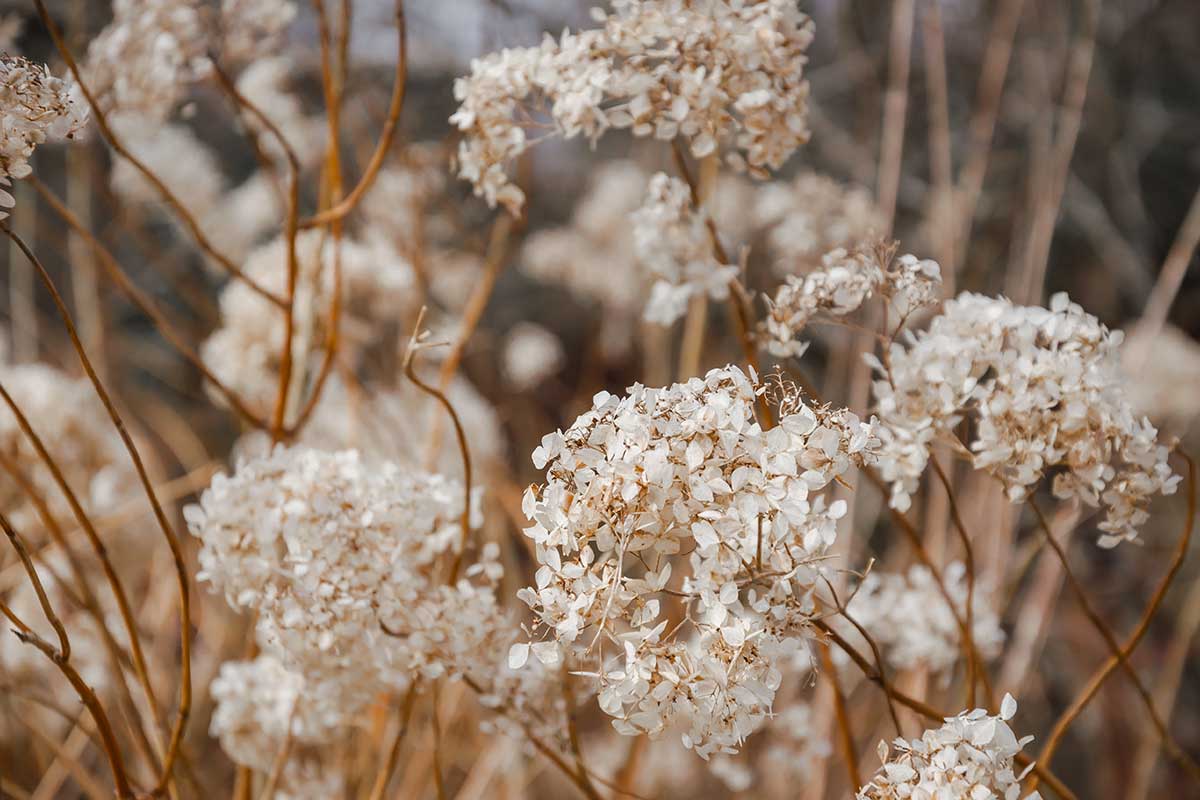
[1045, 391]
[971, 756]
[343, 563]
[811, 215]
[844, 281]
[72, 424]
[139, 68]
[718, 73]
[36, 107]
[639, 480]
[261, 706]
[908, 618]
[672, 244]
[244, 351]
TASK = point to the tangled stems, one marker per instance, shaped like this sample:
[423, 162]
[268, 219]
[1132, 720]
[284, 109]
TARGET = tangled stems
[109, 136]
[395, 106]
[61, 658]
[145, 304]
[1122, 653]
[185, 682]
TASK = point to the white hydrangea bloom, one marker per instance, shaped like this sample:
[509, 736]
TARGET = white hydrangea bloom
[35, 107]
[811, 215]
[326, 550]
[141, 65]
[74, 427]
[672, 244]
[845, 280]
[531, 354]
[970, 757]
[638, 480]
[1045, 391]
[908, 618]
[716, 73]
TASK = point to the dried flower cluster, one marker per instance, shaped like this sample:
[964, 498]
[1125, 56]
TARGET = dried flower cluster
[844, 281]
[640, 479]
[266, 276]
[263, 707]
[330, 553]
[244, 352]
[671, 242]
[140, 67]
[1045, 391]
[714, 73]
[35, 107]
[908, 618]
[971, 756]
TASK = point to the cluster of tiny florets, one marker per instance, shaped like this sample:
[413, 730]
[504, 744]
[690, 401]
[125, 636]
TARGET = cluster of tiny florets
[971, 756]
[843, 282]
[139, 68]
[640, 479]
[244, 351]
[1045, 391]
[261, 707]
[35, 107]
[713, 73]
[328, 551]
[907, 616]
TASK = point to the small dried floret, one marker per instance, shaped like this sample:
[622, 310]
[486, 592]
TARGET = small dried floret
[844, 281]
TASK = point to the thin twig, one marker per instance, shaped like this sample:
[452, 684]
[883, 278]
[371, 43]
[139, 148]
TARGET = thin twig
[386, 135]
[1121, 653]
